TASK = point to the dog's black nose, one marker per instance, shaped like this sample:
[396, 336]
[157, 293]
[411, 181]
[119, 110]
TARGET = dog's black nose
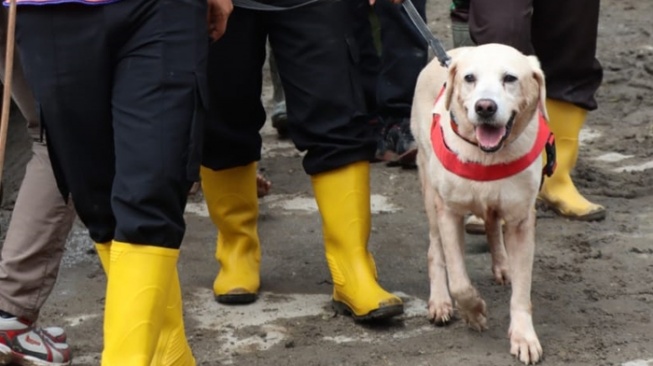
[485, 107]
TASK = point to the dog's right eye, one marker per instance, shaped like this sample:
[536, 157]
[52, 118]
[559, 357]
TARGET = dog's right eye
[509, 78]
[470, 78]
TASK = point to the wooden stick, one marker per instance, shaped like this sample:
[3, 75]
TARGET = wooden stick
[6, 97]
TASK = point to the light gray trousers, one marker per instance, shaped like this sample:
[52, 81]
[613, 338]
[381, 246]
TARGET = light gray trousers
[41, 220]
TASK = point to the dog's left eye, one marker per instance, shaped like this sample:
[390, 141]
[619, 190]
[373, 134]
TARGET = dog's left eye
[470, 78]
[509, 78]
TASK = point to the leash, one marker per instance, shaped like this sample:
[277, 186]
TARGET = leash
[6, 97]
[257, 5]
[424, 30]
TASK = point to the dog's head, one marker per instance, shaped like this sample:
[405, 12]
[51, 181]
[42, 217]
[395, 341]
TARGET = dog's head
[493, 91]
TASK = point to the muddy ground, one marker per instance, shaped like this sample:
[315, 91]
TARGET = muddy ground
[592, 284]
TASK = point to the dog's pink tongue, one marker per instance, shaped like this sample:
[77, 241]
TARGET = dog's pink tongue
[489, 136]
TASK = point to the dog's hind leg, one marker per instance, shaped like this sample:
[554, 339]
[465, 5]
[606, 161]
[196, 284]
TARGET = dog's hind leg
[468, 301]
[497, 248]
[440, 310]
[520, 245]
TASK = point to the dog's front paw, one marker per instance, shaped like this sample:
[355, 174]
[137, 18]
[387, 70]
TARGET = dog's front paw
[524, 345]
[440, 312]
[475, 315]
[471, 307]
[501, 275]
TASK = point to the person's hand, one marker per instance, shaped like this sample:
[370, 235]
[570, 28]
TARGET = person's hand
[392, 1]
[217, 16]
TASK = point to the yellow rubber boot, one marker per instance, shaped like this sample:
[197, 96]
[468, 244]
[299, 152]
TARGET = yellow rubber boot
[343, 197]
[232, 202]
[172, 348]
[558, 191]
[138, 286]
[104, 253]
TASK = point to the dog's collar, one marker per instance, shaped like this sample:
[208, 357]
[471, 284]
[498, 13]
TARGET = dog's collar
[480, 172]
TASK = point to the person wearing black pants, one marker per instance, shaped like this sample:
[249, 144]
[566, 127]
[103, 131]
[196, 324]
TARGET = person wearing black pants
[316, 58]
[367, 33]
[120, 88]
[404, 53]
[562, 34]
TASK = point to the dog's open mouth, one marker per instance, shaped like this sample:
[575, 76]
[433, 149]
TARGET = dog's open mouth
[490, 138]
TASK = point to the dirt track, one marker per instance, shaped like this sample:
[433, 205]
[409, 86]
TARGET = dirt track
[592, 292]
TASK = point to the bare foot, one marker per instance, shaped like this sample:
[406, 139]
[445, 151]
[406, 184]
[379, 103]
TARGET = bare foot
[194, 188]
[262, 186]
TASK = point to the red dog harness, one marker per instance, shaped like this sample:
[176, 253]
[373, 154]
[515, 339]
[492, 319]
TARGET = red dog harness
[480, 172]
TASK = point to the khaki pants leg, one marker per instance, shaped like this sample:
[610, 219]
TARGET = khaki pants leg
[20, 91]
[35, 240]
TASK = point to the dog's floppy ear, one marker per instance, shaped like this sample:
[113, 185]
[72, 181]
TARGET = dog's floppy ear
[538, 75]
[448, 92]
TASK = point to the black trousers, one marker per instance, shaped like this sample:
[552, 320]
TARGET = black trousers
[370, 57]
[316, 59]
[562, 34]
[404, 53]
[119, 88]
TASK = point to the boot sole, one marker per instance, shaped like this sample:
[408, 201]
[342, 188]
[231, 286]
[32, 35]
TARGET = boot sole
[8, 357]
[597, 215]
[383, 313]
[236, 299]
[475, 229]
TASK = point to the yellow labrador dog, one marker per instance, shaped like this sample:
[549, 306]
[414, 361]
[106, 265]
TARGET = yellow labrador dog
[481, 128]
